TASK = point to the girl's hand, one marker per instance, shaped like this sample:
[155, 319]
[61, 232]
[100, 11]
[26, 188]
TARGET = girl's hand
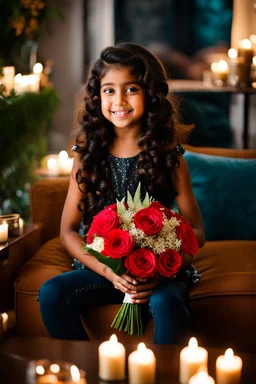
[186, 261]
[125, 283]
[144, 291]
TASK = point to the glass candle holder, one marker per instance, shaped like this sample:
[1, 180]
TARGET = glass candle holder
[45, 371]
[12, 220]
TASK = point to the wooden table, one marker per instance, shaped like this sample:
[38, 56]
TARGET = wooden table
[194, 86]
[15, 354]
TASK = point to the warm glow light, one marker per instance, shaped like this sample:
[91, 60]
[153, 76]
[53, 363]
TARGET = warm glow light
[245, 43]
[63, 155]
[214, 66]
[40, 370]
[202, 377]
[223, 66]
[75, 374]
[4, 315]
[141, 347]
[229, 355]
[38, 68]
[193, 344]
[232, 53]
[253, 39]
[24, 80]
[55, 368]
[52, 163]
[18, 77]
[254, 60]
[113, 339]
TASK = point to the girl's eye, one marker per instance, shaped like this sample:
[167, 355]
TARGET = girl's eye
[108, 91]
[132, 89]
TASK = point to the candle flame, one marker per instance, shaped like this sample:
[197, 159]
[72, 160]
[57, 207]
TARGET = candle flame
[245, 43]
[63, 155]
[75, 374]
[222, 65]
[229, 354]
[232, 53]
[141, 347]
[254, 60]
[202, 377]
[40, 370]
[38, 68]
[51, 163]
[5, 315]
[55, 368]
[193, 344]
[113, 339]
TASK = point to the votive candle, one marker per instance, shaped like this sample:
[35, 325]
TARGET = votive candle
[111, 360]
[192, 358]
[142, 366]
[228, 368]
[201, 378]
[3, 232]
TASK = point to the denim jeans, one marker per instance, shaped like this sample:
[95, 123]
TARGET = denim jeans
[65, 296]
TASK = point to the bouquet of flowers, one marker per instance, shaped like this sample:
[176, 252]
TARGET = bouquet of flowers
[143, 238]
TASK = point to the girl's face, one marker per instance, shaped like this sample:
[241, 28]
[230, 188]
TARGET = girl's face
[122, 98]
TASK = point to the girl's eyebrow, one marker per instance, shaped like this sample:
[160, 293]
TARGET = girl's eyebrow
[127, 83]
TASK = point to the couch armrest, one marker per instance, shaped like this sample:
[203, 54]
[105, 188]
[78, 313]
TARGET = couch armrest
[13, 257]
[47, 198]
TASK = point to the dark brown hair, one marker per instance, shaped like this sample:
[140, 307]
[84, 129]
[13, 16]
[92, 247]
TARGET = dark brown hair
[159, 129]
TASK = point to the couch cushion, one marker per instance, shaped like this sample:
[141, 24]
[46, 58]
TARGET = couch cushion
[225, 189]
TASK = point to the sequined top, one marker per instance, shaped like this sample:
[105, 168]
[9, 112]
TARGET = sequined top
[123, 173]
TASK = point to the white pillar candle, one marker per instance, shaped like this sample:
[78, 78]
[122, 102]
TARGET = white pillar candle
[65, 163]
[142, 366]
[228, 368]
[111, 360]
[201, 378]
[3, 232]
[192, 358]
[21, 226]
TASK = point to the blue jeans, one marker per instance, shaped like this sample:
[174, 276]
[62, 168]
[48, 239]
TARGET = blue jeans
[65, 296]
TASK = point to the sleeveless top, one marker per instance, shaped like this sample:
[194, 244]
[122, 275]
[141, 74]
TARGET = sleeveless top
[123, 173]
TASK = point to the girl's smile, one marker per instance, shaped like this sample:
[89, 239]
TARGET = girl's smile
[122, 98]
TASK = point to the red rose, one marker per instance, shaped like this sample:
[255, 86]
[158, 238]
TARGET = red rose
[117, 243]
[168, 213]
[185, 233]
[149, 220]
[102, 224]
[141, 263]
[168, 263]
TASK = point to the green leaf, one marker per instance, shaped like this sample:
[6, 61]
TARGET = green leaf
[115, 265]
[120, 206]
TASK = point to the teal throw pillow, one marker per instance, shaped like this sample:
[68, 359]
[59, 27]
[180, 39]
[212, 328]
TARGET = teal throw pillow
[225, 189]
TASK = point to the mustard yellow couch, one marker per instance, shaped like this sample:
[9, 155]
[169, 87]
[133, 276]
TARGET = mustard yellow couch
[223, 302]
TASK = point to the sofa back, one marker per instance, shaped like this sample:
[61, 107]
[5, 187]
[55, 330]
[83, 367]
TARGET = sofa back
[47, 198]
[48, 195]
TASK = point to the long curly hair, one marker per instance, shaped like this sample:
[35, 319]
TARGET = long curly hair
[159, 130]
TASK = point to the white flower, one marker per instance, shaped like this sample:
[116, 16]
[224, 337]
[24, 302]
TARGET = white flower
[97, 244]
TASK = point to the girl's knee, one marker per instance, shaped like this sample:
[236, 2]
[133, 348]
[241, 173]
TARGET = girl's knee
[51, 292]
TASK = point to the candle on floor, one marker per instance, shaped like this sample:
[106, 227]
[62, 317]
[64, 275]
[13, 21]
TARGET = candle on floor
[192, 358]
[219, 72]
[245, 51]
[142, 366]
[228, 368]
[111, 360]
[201, 378]
[3, 232]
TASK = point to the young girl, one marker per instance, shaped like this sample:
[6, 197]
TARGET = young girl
[128, 135]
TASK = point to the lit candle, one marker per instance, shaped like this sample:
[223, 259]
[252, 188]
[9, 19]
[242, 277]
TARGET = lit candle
[65, 163]
[111, 360]
[220, 72]
[245, 51]
[142, 366]
[253, 41]
[228, 368]
[192, 358]
[201, 378]
[21, 226]
[253, 70]
[3, 232]
[33, 83]
[238, 71]
[52, 166]
[8, 78]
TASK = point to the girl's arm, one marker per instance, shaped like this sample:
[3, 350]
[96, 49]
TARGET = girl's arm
[186, 200]
[72, 241]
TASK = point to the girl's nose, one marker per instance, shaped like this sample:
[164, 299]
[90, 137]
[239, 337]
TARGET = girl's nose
[120, 99]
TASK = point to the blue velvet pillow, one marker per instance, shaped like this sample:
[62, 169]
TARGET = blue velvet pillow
[225, 189]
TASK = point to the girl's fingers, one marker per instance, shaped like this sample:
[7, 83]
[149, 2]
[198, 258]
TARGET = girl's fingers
[140, 296]
[146, 287]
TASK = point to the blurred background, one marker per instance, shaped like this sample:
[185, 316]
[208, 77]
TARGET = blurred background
[65, 36]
